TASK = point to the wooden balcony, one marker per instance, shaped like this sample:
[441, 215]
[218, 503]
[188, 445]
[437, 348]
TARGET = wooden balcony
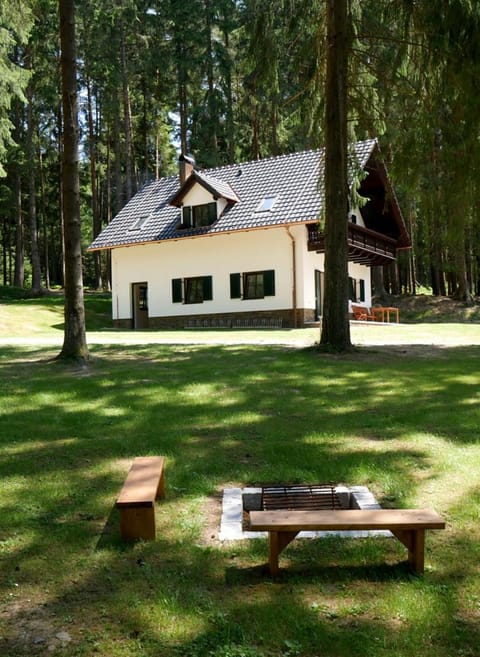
[365, 246]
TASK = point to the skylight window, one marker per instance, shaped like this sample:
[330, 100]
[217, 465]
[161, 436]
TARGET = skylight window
[267, 204]
[140, 222]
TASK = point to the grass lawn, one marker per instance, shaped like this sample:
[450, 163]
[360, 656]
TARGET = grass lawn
[404, 421]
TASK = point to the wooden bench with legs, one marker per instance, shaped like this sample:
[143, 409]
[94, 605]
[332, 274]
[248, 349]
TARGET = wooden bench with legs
[136, 502]
[408, 525]
[362, 313]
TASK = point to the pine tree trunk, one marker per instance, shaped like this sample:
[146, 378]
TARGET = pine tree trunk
[127, 119]
[97, 224]
[19, 275]
[212, 114]
[335, 324]
[229, 97]
[19, 271]
[32, 193]
[43, 215]
[379, 291]
[118, 183]
[74, 345]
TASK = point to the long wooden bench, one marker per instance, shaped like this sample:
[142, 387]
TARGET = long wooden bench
[136, 502]
[408, 525]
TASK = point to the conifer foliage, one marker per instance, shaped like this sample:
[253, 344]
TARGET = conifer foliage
[234, 80]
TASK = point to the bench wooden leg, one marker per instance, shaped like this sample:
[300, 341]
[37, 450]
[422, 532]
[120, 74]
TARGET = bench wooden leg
[414, 541]
[277, 541]
[137, 522]
[416, 554]
[161, 487]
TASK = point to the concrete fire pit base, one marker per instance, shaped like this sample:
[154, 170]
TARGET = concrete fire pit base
[237, 500]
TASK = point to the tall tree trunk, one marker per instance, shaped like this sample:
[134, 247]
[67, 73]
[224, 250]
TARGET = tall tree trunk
[335, 324]
[127, 118]
[19, 271]
[75, 344]
[97, 224]
[43, 215]
[6, 250]
[19, 275]
[229, 96]
[117, 163]
[182, 97]
[212, 112]
[32, 193]
[379, 291]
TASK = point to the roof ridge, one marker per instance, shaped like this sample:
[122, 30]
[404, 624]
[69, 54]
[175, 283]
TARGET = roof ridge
[269, 158]
[265, 159]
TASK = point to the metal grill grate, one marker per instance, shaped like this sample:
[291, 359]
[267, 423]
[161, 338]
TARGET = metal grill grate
[318, 496]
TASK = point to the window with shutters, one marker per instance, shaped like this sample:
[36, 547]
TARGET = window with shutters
[252, 285]
[356, 289]
[195, 216]
[195, 289]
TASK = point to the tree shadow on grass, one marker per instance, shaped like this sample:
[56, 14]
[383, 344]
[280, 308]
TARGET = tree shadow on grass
[220, 415]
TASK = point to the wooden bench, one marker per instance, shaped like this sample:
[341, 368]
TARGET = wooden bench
[408, 525]
[136, 502]
[362, 313]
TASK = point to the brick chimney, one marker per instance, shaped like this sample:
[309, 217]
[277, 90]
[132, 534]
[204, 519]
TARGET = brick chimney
[186, 165]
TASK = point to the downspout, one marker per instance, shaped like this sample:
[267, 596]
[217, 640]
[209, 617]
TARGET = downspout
[294, 285]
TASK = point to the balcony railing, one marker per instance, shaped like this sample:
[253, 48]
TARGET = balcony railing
[364, 246]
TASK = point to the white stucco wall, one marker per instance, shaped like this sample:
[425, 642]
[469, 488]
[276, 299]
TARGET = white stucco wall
[219, 256]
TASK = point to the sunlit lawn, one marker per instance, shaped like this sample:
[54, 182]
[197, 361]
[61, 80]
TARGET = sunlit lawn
[404, 422]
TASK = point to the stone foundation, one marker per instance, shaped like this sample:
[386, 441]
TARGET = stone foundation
[259, 319]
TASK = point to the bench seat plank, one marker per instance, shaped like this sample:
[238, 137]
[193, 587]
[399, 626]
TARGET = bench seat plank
[345, 519]
[143, 485]
[408, 525]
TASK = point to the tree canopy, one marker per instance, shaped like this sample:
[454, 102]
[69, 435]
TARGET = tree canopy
[234, 80]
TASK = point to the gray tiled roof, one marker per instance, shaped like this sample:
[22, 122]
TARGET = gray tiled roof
[294, 180]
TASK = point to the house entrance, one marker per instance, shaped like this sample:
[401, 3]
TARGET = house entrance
[140, 305]
[318, 293]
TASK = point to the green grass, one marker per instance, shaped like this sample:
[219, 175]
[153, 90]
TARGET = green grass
[24, 316]
[405, 422]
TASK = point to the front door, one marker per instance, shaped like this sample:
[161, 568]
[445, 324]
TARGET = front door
[140, 305]
[318, 293]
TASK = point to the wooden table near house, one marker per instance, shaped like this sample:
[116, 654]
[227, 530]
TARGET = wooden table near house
[380, 312]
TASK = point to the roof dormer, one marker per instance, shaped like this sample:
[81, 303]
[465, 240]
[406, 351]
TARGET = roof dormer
[202, 199]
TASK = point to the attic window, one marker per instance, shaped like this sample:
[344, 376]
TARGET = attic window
[267, 204]
[195, 216]
[140, 222]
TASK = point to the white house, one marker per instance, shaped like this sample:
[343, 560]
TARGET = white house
[242, 244]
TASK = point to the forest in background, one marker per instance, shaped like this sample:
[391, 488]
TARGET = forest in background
[230, 81]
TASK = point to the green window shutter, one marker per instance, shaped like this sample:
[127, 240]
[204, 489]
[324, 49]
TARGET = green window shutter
[351, 289]
[235, 289]
[362, 290]
[269, 283]
[187, 215]
[177, 296]
[212, 212]
[207, 288]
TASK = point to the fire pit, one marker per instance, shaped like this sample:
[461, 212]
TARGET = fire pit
[317, 496]
[238, 502]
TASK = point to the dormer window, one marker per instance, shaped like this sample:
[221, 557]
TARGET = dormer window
[267, 204]
[195, 216]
